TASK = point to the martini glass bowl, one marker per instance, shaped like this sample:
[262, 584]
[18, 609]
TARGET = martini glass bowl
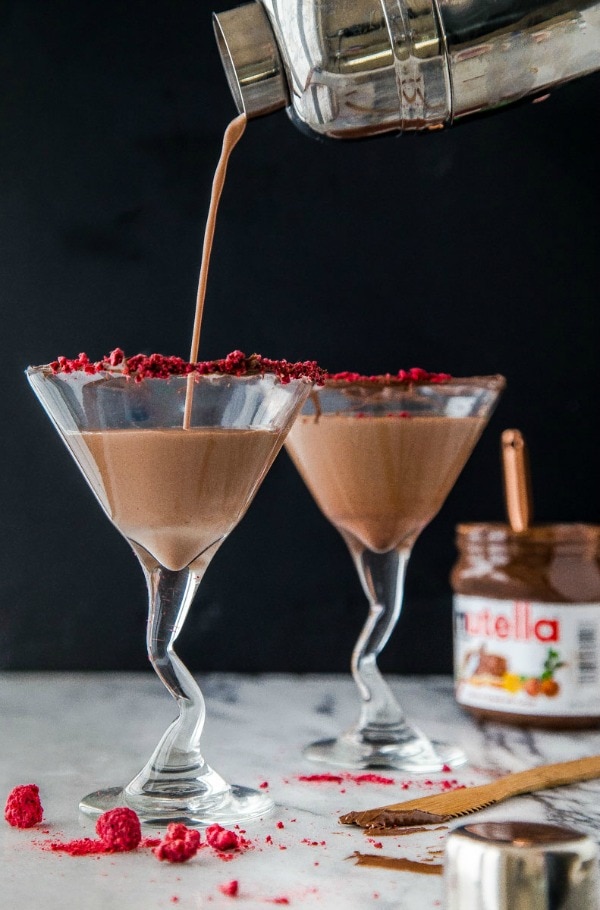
[380, 457]
[175, 494]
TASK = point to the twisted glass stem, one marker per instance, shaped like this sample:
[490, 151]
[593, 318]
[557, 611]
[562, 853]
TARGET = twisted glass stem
[176, 771]
[171, 595]
[382, 577]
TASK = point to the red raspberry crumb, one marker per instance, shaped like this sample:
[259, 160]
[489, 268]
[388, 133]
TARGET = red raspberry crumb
[446, 769]
[119, 829]
[179, 844]
[150, 842]
[178, 831]
[370, 779]
[84, 846]
[280, 825]
[321, 778]
[221, 839]
[279, 900]
[264, 785]
[229, 888]
[23, 807]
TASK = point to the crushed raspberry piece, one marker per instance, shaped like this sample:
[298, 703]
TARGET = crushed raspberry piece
[221, 839]
[119, 829]
[85, 846]
[23, 807]
[179, 844]
[268, 839]
[279, 900]
[160, 366]
[446, 769]
[346, 776]
[280, 825]
[370, 779]
[178, 831]
[264, 785]
[321, 778]
[150, 842]
[230, 888]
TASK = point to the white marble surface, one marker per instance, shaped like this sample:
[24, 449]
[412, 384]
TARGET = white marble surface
[72, 733]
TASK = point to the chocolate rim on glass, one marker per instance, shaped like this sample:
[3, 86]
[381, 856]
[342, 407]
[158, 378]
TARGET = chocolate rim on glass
[380, 455]
[175, 489]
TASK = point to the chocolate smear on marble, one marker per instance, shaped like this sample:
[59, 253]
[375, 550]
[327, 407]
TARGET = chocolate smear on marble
[399, 832]
[398, 863]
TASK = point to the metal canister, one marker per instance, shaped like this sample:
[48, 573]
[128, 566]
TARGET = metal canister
[517, 865]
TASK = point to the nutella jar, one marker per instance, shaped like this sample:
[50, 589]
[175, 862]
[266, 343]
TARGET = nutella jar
[527, 624]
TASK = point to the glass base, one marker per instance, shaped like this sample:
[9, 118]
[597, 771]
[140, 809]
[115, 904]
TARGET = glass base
[237, 804]
[417, 756]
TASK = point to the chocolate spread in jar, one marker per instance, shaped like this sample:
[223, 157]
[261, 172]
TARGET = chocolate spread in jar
[527, 624]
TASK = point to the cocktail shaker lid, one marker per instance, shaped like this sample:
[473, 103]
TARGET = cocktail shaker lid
[251, 59]
[517, 865]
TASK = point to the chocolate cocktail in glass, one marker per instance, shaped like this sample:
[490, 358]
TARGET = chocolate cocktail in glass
[380, 455]
[174, 480]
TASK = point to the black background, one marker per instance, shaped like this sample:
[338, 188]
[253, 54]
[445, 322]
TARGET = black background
[470, 251]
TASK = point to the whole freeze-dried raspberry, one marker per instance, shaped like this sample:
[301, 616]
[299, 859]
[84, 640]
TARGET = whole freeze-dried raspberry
[23, 807]
[119, 829]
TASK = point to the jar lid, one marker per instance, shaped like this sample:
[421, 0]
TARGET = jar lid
[516, 865]
[540, 534]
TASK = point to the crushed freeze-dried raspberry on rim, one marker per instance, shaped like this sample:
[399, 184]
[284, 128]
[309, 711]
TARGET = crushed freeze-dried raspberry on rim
[161, 366]
[405, 377]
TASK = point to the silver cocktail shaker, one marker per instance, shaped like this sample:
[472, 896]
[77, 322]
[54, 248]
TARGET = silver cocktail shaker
[517, 865]
[355, 68]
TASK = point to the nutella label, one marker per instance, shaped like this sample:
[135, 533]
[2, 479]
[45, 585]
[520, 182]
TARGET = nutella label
[525, 657]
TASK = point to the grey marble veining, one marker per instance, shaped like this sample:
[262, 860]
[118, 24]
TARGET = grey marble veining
[71, 733]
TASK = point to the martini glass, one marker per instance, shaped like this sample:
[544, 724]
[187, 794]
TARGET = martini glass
[379, 458]
[175, 494]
